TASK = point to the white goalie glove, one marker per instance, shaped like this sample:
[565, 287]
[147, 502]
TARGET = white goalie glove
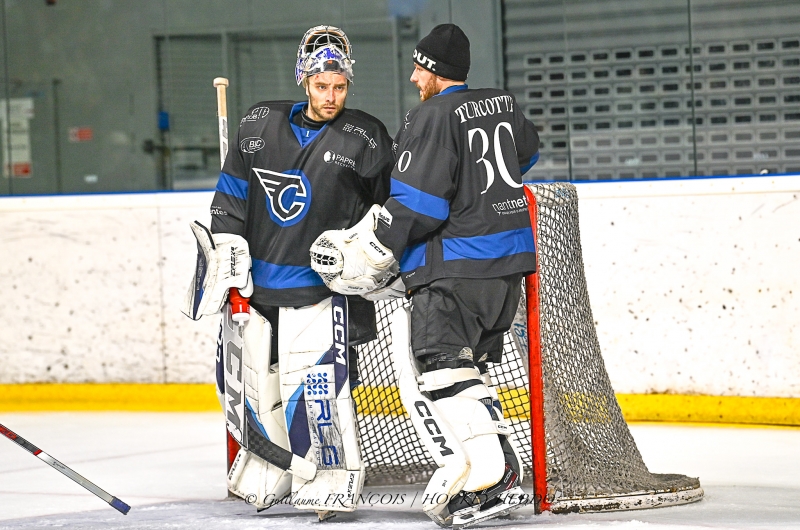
[223, 262]
[353, 261]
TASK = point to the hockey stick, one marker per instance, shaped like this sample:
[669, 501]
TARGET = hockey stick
[239, 305]
[240, 313]
[55, 464]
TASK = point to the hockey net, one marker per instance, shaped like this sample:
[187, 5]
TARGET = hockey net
[582, 452]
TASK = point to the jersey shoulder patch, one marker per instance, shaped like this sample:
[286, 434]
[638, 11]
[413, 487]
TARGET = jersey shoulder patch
[263, 109]
[365, 126]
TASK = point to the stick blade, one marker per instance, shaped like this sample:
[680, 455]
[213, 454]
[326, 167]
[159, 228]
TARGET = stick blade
[120, 506]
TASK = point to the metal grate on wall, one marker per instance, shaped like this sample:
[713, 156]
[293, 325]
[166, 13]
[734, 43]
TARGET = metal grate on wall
[645, 109]
[260, 66]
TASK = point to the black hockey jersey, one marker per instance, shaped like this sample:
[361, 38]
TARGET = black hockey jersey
[457, 207]
[283, 185]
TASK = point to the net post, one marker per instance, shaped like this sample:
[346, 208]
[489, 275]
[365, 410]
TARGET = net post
[536, 394]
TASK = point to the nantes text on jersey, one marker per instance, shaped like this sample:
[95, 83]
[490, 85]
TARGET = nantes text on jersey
[282, 185]
[457, 207]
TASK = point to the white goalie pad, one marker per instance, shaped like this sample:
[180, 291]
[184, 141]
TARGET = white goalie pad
[257, 481]
[320, 417]
[435, 433]
[353, 261]
[223, 262]
[261, 472]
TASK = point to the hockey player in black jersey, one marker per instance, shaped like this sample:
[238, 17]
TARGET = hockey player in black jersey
[458, 224]
[293, 170]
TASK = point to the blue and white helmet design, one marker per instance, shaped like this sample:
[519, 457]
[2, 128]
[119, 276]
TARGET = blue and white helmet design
[324, 49]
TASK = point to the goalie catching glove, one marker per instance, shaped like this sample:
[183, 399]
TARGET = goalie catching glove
[223, 262]
[353, 261]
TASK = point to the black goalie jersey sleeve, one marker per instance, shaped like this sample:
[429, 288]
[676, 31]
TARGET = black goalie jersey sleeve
[229, 206]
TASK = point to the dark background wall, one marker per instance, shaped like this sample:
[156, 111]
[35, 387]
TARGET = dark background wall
[611, 84]
[110, 66]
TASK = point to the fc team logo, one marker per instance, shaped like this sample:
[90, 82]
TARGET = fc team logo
[288, 195]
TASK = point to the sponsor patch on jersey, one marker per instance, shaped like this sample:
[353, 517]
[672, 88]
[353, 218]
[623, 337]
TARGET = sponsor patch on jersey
[511, 206]
[385, 217]
[359, 131]
[288, 195]
[256, 114]
[333, 158]
[251, 145]
[216, 210]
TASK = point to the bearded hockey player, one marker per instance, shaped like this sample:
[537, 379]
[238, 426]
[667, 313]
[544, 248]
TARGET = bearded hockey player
[458, 224]
[293, 171]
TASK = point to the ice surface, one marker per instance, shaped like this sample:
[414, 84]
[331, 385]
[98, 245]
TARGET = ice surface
[170, 469]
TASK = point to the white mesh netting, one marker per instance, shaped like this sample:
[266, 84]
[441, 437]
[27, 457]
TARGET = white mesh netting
[591, 457]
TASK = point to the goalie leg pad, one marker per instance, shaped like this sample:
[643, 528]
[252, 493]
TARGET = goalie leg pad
[474, 473]
[320, 417]
[435, 433]
[262, 470]
[223, 261]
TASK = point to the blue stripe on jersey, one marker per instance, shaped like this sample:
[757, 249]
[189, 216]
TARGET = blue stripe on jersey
[535, 158]
[271, 276]
[413, 257]
[230, 185]
[492, 246]
[419, 201]
[304, 136]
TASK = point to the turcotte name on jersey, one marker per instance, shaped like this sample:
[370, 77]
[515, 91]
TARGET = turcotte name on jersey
[484, 107]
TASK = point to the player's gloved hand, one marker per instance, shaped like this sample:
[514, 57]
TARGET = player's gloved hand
[393, 290]
[353, 261]
[223, 261]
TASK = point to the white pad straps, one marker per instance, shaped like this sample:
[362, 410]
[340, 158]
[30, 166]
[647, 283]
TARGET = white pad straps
[223, 261]
[439, 379]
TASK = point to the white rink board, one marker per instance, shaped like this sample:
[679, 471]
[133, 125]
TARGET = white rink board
[93, 287]
[695, 284]
[86, 299]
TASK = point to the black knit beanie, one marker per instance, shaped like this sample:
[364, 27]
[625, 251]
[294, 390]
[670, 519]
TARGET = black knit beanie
[445, 52]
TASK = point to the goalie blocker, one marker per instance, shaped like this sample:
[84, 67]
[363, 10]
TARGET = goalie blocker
[223, 262]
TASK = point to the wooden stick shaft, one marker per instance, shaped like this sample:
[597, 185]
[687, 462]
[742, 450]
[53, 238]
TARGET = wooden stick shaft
[222, 115]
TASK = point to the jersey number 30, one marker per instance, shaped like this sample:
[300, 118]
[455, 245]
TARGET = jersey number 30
[498, 154]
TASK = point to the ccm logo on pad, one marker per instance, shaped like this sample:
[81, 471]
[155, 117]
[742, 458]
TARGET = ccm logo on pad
[432, 428]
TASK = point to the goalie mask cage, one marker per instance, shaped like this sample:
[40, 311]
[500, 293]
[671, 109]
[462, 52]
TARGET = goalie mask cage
[566, 420]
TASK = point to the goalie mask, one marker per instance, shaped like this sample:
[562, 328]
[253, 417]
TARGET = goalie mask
[324, 49]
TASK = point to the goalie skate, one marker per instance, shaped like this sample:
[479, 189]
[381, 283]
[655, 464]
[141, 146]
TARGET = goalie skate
[474, 515]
